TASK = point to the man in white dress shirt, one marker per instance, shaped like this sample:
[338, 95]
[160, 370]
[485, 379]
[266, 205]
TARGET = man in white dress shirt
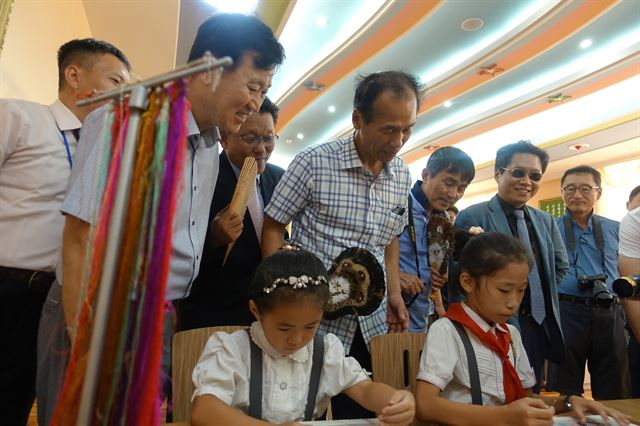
[37, 144]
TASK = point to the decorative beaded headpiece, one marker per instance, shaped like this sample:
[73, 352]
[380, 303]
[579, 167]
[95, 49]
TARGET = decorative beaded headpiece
[303, 281]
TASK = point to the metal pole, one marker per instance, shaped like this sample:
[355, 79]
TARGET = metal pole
[137, 105]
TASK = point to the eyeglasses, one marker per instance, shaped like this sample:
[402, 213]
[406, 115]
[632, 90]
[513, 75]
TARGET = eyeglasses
[519, 173]
[252, 139]
[584, 189]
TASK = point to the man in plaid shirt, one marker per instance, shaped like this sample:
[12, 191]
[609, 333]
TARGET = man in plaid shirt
[352, 192]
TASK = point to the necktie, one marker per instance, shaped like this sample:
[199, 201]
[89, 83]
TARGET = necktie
[535, 285]
[256, 213]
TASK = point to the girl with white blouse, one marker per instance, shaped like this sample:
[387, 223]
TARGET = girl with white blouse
[300, 371]
[494, 272]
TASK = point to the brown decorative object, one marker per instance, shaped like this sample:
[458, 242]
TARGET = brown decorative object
[246, 185]
[356, 284]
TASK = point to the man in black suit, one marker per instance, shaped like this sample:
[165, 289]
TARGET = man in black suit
[219, 293]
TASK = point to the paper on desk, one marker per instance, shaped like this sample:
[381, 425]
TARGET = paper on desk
[592, 420]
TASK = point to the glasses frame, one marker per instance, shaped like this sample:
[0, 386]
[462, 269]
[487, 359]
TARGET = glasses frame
[524, 173]
[579, 189]
[255, 139]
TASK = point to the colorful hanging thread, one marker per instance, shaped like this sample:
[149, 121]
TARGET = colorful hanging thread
[129, 379]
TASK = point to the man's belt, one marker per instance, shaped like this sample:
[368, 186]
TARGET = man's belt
[589, 301]
[32, 279]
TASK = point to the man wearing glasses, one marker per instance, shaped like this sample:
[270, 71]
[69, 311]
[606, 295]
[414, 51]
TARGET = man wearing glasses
[592, 317]
[219, 293]
[518, 171]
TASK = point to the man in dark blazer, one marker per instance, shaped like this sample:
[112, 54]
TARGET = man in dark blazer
[219, 293]
[518, 171]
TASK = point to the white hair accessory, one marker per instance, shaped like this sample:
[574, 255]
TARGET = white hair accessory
[303, 281]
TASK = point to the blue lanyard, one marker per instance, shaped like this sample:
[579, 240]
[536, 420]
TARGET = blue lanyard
[66, 145]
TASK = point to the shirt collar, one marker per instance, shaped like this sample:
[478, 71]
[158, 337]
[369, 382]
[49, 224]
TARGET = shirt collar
[573, 222]
[210, 136]
[258, 337]
[65, 119]
[351, 159]
[420, 196]
[481, 322]
[508, 208]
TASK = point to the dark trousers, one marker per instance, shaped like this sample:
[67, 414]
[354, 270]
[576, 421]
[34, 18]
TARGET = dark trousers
[343, 407]
[535, 344]
[633, 350]
[594, 336]
[20, 307]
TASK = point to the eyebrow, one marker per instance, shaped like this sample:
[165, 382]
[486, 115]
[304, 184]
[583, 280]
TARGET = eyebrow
[284, 324]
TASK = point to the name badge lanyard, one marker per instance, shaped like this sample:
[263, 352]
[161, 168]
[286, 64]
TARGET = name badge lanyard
[66, 146]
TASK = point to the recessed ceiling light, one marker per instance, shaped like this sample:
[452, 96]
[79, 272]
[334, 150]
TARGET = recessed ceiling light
[289, 141]
[321, 21]
[300, 136]
[331, 109]
[472, 24]
[238, 6]
[579, 146]
[587, 42]
[447, 104]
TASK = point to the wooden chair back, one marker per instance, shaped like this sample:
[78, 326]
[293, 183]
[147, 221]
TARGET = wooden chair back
[395, 360]
[186, 349]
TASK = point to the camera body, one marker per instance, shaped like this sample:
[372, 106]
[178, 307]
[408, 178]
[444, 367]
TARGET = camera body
[597, 285]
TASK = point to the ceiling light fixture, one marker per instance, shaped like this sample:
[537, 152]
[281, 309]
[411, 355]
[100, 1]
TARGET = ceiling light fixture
[288, 141]
[300, 136]
[321, 21]
[447, 104]
[238, 6]
[586, 43]
[472, 24]
[579, 146]
[331, 109]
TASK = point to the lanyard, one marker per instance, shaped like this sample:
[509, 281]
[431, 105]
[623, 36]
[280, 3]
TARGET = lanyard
[66, 145]
[571, 241]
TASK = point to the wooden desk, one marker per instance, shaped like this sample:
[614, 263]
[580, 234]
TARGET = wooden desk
[630, 407]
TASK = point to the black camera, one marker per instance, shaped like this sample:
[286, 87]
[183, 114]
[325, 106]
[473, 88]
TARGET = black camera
[628, 286]
[598, 288]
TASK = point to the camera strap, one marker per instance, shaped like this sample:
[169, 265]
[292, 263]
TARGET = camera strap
[571, 241]
[412, 235]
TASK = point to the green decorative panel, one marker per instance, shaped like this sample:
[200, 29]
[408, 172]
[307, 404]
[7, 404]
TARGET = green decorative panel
[553, 206]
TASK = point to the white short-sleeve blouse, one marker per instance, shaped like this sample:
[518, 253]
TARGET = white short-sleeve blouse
[444, 362]
[224, 369]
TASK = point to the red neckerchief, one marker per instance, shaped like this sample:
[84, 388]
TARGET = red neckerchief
[499, 343]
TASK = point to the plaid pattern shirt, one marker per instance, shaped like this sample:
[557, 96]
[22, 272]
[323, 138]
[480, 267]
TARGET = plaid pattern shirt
[335, 203]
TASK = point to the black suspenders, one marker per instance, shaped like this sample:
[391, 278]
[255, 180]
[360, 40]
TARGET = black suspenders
[474, 375]
[255, 379]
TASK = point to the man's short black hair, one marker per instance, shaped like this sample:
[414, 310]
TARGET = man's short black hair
[453, 209]
[635, 191]
[76, 52]
[452, 160]
[269, 107]
[583, 169]
[506, 153]
[373, 85]
[233, 35]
